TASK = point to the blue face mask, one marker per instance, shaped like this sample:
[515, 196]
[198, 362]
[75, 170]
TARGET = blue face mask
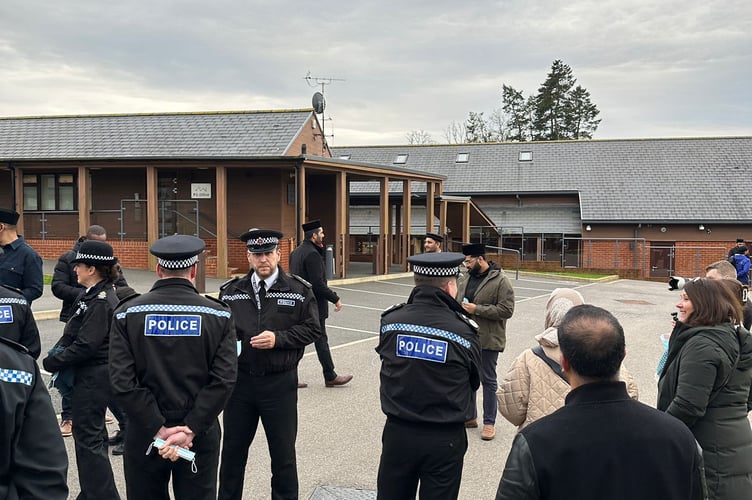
[182, 453]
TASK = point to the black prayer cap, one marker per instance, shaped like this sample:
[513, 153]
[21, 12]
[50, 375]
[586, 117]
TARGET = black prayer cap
[310, 225]
[435, 237]
[440, 265]
[740, 240]
[92, 252]
[8, 216]
[474, 249]
[261, 240]
[178, 251]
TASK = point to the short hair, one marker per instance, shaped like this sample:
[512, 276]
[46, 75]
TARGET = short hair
[177, 273]
[592, 341]
[434, 281]
[724, 268]
[309, 234]
[95, 230]
[713, 302]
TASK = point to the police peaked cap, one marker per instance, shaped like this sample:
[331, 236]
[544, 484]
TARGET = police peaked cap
[92, 252]
[8, 216]
[435, 237]
[439, 265]
[179, 251]
[311, 225]
[473, 249]
[261, 240]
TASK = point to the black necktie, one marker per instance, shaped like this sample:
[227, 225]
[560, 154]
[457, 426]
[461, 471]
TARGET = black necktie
[262, 290]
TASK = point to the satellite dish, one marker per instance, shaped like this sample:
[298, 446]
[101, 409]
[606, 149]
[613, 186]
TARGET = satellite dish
[318, 102]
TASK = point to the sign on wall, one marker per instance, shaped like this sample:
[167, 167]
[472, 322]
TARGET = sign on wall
[201, 190]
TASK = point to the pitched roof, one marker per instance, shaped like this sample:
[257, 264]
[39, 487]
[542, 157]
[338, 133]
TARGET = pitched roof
[641, 180]
[163, 135]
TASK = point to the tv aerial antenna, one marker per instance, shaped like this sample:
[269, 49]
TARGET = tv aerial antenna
[318, 101]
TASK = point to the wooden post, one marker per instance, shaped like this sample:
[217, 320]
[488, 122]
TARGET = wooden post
[220, 180]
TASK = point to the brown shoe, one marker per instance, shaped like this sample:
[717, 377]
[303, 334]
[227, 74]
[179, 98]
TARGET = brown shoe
[488, 433]
[66, 428]
[302, 385]
[471, 424]
[338, 380]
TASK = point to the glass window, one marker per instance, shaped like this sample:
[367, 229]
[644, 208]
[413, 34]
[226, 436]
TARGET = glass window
[48, 192]
[526, 156]
[66, 197]
[401, 159]
[463, 157]
[30, 198]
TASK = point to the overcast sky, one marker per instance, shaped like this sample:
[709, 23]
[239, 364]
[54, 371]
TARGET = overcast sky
[658, 68]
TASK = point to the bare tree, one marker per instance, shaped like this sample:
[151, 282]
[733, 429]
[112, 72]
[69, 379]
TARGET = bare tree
[419, 137]
[455, 133]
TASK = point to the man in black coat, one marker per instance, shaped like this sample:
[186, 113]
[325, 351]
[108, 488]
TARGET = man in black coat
[17, 321]
[307, 261]
[20, 265]
[602, 443]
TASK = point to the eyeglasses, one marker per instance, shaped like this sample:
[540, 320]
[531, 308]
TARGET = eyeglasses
[469, 260]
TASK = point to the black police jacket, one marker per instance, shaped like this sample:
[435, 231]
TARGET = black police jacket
[289, 310]
[430, 359]
[17, 321]
[307, 262]
[173, 357]
[87, 333]
[33, 460]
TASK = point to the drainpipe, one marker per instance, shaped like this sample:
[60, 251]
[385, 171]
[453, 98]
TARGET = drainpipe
[12, 169]
[298, 222]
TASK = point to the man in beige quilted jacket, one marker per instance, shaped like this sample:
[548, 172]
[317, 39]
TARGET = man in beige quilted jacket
[487, 296]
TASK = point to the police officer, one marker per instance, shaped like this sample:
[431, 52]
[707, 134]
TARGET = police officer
[20, 265]
[33, 461]
[173, 363]
[276, 317]
[17, 322]
[430, 358]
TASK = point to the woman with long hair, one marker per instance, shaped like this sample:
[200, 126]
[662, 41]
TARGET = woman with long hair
[706, 382]
[86, 341]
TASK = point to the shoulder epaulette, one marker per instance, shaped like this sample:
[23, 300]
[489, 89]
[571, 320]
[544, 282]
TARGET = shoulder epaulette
[228, 283]
[302, 280]
[15, 345]
[392, 308]
[215, 299]
[467, 320]
[11, 288]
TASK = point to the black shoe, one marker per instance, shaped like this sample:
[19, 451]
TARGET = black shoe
[116, 438]
[118, 449]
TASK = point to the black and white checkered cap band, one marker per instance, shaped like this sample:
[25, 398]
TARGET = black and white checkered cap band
[435, 271]
[177, 264]
[258, 242]
[88, 256]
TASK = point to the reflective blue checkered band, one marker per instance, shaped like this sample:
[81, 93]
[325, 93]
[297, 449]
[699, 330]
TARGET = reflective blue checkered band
[282, 295]
[16, 376]
[237, 296]
[269, 240]
[172, 308]
[13, 300]
[178, 264]
[435, 271]
[89, 256]
[426, 330]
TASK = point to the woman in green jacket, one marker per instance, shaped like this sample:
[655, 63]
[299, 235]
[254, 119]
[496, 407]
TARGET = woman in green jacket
[706, 383]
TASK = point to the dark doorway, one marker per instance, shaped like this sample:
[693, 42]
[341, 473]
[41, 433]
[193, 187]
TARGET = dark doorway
[661, 260]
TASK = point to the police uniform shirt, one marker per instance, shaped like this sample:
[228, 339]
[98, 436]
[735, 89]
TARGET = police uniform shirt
[17, 321]
[173, 358]
[289, 310]
[430, 353]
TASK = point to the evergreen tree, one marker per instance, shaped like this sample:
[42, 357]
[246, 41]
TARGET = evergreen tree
[581, 114]
[550, 121]
[516, 109]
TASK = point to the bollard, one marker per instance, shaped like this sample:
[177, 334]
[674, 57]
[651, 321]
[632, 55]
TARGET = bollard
[329, 262]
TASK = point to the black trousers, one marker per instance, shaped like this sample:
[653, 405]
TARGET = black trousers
[91, 393]
[148, 476]
[417, 452]
[324, 354]
[272, 398]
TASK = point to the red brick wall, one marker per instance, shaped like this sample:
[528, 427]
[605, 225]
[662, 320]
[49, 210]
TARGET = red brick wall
[133, 254]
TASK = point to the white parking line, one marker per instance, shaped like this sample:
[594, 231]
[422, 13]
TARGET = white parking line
[352, 329]
[364, 307]
[367, 291]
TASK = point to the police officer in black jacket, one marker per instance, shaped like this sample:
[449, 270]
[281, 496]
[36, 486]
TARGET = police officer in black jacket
[17, 322]
[430, 358]
[173, 364]
[86, 337]
[307, 261]
[276, 317]
[33, 461]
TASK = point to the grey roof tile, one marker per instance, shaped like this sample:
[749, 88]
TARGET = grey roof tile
[702, 179]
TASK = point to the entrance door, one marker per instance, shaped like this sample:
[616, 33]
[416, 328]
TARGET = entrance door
[661, 260]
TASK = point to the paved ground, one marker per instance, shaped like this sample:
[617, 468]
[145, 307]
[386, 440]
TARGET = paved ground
[340, 428]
